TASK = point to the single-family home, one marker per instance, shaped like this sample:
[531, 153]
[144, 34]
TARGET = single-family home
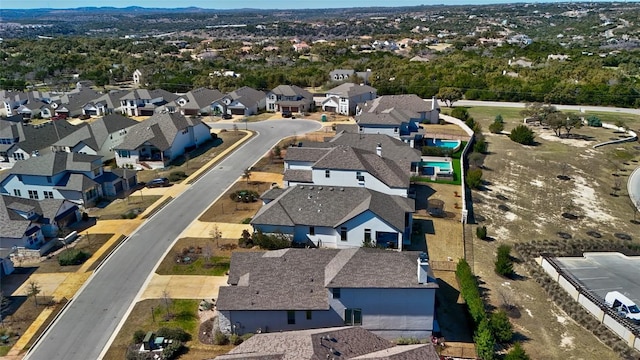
[346, 74]
[289, 98]
[142, 102]
[158, 140]
[138, 77]
[19, 141]
[343, 99]
[105, 104]
[76, 177]
[243, 101]
[336, 217]
[392, 148]
[195, 102]
[100, 137]
[389, 293]
[418, 109]
[72, 104]
[346, 166]
[27, 223]
[344, 342]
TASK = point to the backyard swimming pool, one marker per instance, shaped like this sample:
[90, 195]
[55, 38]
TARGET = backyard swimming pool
[447, 144]
[436, 167]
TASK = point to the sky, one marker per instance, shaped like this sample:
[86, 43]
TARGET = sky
[257, 4]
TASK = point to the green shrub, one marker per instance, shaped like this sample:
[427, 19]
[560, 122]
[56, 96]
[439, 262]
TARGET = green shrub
[474, 178]
[174, 333]
[246, 336]
[460, 113]
[176, 176]
[173, 350]
[522, 135]
[594, 121]
[501, 327]
[470, 292]
[246, 220]
[220, 338]
[481, 232]
[485, 343]
[235, 339]
[271, 241]
[480, 145]
[129, 215]
[408, 341]
[138, 336]
[517, 353]
[504, 264]
[72, 257]
[435, 151]
[496, 127]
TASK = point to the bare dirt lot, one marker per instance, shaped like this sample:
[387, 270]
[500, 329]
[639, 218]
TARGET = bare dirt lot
[524, 199]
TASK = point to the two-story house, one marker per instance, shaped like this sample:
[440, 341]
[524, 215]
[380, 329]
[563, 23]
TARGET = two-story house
[343, 99]
[391, 294]
[243, 101]
[337, 217]
[158, 140]
[61, 175]
[144, 102]
[346, 74]
[345, 166]
[289, 98]
[418, 109]
[105, 104]
[100, 137]
[195, 102]
[27, 222]
[345, 342]
[19, 141]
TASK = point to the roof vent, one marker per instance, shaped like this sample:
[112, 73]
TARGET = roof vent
[310, 187]
[301, 187]
[320, 188]
[341, 189]
[330, 189]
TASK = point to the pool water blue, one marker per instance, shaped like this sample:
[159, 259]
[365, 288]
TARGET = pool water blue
[449, 144]
[443, 165]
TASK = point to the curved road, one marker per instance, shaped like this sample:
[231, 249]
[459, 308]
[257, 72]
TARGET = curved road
[85, 327]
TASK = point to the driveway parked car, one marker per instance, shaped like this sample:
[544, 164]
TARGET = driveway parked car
[226, 116]
[159, 182]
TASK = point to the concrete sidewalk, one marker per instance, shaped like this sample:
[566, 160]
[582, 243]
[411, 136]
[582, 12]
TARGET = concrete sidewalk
[65, 285]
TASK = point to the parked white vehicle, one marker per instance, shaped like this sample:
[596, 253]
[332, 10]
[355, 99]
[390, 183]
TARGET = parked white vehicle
[623, 305]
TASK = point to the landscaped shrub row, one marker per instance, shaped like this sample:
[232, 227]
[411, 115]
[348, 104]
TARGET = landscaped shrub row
[264, 241]
[72, 257]
[531, 250]
[435, 151]
[470, 292]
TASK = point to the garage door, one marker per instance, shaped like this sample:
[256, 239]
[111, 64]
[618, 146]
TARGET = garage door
[237, 111]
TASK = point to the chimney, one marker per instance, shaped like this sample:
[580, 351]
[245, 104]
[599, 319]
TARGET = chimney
[423, 268]
[433, 102]
[379, 149]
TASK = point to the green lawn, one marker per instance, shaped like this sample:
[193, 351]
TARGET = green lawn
[455, 163]
[219, 266]
[4, 349]
[184, 315]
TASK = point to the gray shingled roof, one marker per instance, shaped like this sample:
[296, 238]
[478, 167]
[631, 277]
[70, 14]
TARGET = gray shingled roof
[75, 182]
[407, 102]
[305, 176]
[306, 154]
[298, 279]
[54, 163]
[41, 137]
[351, 89]
[392, 148]
[247, 96]
[9, 129]
[159, 130]
[382, 168]
[312, 344]
[271, 194]
[97, 132]
[332, 206]
[393, 117]
[292, 90]
[403, 352]
[201, 98]
[12, 225]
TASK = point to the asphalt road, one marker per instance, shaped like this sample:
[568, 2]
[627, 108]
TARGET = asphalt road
[85, 327]
[559, 107]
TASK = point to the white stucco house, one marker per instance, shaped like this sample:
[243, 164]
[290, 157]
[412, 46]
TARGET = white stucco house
[100, 137]
[343, 99]
[391, 294]
[336, 217]
[155, 142]
[345, 166]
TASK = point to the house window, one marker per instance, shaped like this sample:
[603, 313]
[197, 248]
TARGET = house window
[367, 236]
[336, 293]
[353, 316]
[291, 317]
[309, 314]
[48, 194]
[312, 230]
[33, 194]
[185, 131]
[343, 234]
[124, 153]
[359, 176]
[17, 192]
[327, 173]
[395, 130]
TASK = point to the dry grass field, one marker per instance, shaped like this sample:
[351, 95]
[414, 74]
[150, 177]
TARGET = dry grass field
[523, 181]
